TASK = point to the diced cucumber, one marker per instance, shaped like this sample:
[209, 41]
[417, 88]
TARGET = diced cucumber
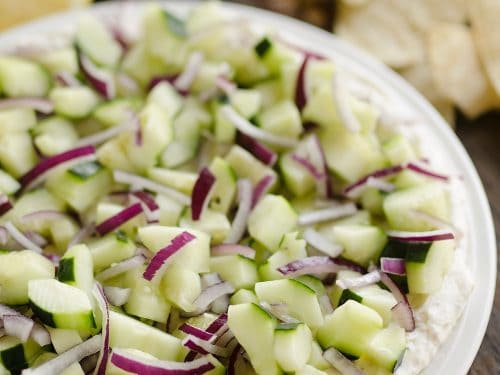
[17, 154]
[165, 95]
[214, 223]
[431, 198]
[316, 358]
[207, 75]
[20, 77]
[76, 268]
[181, 287]
[246, 165]
[63, 339]
[297, 178]
[318, 74]
[54, 135]
[145, 301]
[301, 301]
[116, 111]
[224, 129]
[206, 14]
[170, 210]
[17, 268]
[126, 332]
[194, 256]
[139, 64]
[240, 271]
[178, 180]
[246, 101]
[281, 119]
[62, 231]
[8, 184]
[112, 155]
[73, 102]
[224, 190]
[61, 306]
[60, 60]
[105, 210]
[372, 200]
[243, 296]
[292, 345]
[110, 249]
[361, 243]
[387, 347]
[80, 186]
[96, 41]
[426, 277]
[16, 356]
[254, 329]
[398, 150]
[350, 328]
[312, 282]
[16, 120]
[272, 217]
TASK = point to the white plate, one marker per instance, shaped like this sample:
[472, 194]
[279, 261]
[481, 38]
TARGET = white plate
[456, 356]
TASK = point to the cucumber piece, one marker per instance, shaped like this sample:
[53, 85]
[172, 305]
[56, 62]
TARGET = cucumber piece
[243, 296]
[297, 179]
[292, 345]
[76, 268]
[361, 243]
[203, 15]
[178, 180]
[254, 328]
[224, 129]
[107, 210]
[194, 256]
[430, 198]
[8, 184]
[426, 277]
[372, 201]
[17, 268]
[97, 42]
[112, 155]
[213, 223]
[245, 165]
[73, 102]
[181, 287]
[63, 339]
[387, 347]
[16, 356]
[318, 74]
[350, 328]
[271, 92]
[61, 306]
[20, 77]
[16, 120]
[81, 186]
[140, 65]
[17, 154]
[398, 150]
[165, 95]
[247, 102]
[116, 111]
[201, 321]
[224, 189]
[316, 358]
[302, 302]
[54, 135]
[62, 231]
[281, 119]
[126, 332]
[312, 282]
[207, 75]
[170, 210]
[240, 271]
[60, 60]
[272, 217]
[112, 248]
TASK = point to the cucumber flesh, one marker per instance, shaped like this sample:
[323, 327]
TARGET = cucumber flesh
[292, 345]
[76, 268]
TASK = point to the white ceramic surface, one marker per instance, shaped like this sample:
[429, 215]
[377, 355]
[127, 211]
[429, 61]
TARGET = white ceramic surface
[456, 356]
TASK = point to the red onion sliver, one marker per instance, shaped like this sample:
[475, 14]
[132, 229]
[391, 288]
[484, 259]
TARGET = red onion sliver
[202, 190]
[257, 149]
[403, 315]
[131, 363]
[437, 222]
[262, 188]
[18, 326]
[82, 234]
[20, 238]
[149, 205]
[300, 87]
[246, 127]
[309, 167]
[279, 311]
[230, 249]
[220, 305]
[37, 173]
[315, 265]
[233, 358]
[341, 363]
[355, 189]
[66, 359]
[5, 204]
[183, 81]
[225, 85]
[102, 361]
[67, 79]
[409, 323]
[121, 267]
[46, 215]
[321, 243]
[327, 214]
[380, 184]
[393, 266]
[117, 220]
[424, 170]
[210, 294]
[429, 236]
[40, 335]
[101, 80]
[41, 105]
[127, 83]
[238, 227]
[217, 325]
[204, 347]
[162, 255]
[116, 296]
[197, 332]
[361, 281]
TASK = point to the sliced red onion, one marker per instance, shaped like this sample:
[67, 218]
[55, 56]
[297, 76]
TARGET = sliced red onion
[197, 332]
[38, 172]
[409, 320]
[257, 149]
[136, 365]
[238, 227]
[164, 254]
[393, 266]
[101, 80]
[429, 236]
[102, 360]
[327, 214]
[278, 310]
[225, 85]
[54, 258]
[225, 338]
[324, 185]
[341, 100]
[45, 215]
[309, 53]
[167, 78]
[355, 189]
[144, 183]
[18, 326]
[121, 267]
[210, 294]
[218, 324]
[246, 127]
[4, 235]
[149, 206]
[204, 347]
[325, 304]
[5, 204]
[36, 238]
[424, 169]
[67, 79]
[380, 184]
[403, 315]
[103, 136]
[85, 232]
[233, 359]
[41, 105]
[262, 188]
[184, 81]
[128, 83]
[341, 363]
[321, 243]
[118, 219]
[66, 359]
[310, 265]
[300, 87]
[437, 222]
[202, 191]
[230, 249]
[370, 278]
[120, 37]
[21, 239]
[308, 166]
[117, 296]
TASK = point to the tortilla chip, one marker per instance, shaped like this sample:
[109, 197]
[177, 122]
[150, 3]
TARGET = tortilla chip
[381, 29]
[457, 71]
[484, 16]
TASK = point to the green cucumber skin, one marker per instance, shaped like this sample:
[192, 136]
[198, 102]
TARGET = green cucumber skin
[348, 294]
[66, 270]
[14, 359]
